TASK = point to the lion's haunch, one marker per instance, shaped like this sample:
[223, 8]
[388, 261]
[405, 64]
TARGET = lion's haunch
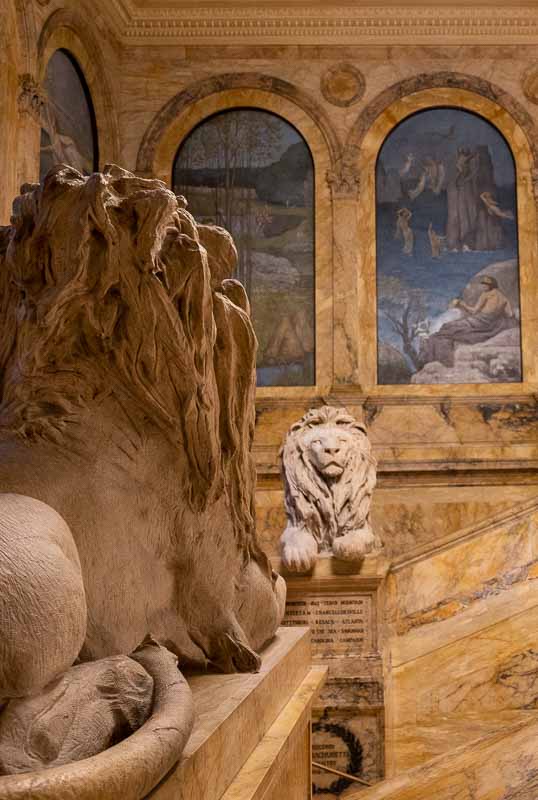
[42, 600]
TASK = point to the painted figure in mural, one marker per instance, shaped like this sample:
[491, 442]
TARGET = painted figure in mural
[474, 217]
[436, 241]
[404, 230]
[68, 133]
[493, 207]
[62, 148]
[487, 318]
[446, 194]
[461, 200]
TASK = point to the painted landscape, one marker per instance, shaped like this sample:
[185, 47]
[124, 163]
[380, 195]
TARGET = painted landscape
[251, 172]
[447, 253]
[68, 129]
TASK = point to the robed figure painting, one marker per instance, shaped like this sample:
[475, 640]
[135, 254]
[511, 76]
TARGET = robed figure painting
[447, 252]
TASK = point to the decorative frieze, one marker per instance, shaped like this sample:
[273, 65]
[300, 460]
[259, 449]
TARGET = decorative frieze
[343, 24]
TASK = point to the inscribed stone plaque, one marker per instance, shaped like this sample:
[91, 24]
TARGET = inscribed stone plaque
[341, 624]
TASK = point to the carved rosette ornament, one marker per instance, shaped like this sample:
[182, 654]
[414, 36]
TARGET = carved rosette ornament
[344, 180]
[329, 475]
[32, 98]
[342, 85]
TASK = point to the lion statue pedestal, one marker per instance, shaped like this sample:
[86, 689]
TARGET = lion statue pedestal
[329, 475]
[127, 381]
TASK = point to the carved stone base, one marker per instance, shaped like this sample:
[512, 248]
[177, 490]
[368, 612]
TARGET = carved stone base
[252, 732]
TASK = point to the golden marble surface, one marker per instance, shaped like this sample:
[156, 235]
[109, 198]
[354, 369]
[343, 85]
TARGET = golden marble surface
[281, 762]
[476, 563]
[476, 673]
[409, 516]
[499, 766]
[233, 715]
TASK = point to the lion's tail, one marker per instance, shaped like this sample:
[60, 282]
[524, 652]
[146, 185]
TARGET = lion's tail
[132, 768]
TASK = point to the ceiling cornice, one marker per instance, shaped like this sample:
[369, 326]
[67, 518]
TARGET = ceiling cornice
[327, 24]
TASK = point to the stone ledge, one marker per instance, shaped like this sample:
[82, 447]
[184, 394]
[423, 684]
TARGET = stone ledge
[233, 715]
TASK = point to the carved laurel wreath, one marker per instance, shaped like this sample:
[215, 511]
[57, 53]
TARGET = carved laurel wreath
[354, 765]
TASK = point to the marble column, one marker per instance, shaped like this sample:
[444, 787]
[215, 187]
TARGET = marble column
[344, 182]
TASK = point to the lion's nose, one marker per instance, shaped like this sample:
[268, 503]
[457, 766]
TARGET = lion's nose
[332, 451]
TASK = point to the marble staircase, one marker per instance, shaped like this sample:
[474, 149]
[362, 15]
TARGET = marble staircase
[461, 666]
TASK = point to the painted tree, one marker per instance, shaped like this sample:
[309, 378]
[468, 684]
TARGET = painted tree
[405, 309]
[234, 144]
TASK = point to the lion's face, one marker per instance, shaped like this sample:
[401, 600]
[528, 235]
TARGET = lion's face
[329, 449]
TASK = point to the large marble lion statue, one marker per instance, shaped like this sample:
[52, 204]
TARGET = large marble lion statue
[127, 380]
[329, 475]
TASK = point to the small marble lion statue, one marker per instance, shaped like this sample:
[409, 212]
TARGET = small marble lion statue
[329, 475]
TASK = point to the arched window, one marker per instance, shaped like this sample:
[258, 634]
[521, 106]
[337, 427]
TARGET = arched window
[447, 252]
[251, 172]
[68, 133]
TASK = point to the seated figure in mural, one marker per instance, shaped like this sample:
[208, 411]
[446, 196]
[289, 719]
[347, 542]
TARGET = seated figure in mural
[491, 314]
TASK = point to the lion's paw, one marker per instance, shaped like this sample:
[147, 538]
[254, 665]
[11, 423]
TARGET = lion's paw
[353, 546]
[299, 549]
[233, 653]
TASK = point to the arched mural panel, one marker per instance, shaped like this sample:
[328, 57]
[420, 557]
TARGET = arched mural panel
[251, 172]
[515, 138]
[68, 133]
[447, 252]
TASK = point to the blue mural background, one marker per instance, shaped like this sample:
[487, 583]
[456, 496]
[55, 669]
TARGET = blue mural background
[446, 217]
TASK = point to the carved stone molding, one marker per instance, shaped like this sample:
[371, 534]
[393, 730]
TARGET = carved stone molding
[344, 180]
[318, 23]
[529, 84]
[342, 85]
[220, 83]
[31, 97]
[534, 181]
[452, 80]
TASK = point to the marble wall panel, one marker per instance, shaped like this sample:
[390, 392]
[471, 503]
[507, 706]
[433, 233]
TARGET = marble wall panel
[151, 74]
[408, 518]
[502, 766]
[463, 684]
[429, 588]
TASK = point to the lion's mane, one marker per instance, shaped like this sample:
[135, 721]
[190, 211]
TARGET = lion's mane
[90, 308]
[327, 508]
